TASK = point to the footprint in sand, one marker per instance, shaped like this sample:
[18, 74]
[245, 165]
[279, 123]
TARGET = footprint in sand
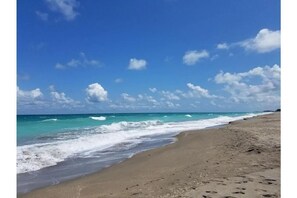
[211, 192]
[262, 190]
[269, 195]
[239, 192]
[239, 188]
[268, 181]
[136, 193]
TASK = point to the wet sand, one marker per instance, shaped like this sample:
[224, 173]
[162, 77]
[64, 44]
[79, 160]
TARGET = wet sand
[241, 159]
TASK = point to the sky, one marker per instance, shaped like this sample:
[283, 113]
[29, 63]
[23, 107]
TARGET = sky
[104, 56]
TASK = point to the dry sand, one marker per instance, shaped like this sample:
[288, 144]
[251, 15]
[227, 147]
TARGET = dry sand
[241, 159]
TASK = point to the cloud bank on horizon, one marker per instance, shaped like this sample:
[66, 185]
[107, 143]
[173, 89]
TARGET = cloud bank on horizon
[237, 87]
[239, 72]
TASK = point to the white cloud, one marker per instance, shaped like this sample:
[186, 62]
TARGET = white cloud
[65, 7]
[96, 93]
[82, 61]
[61, 98]
[243, 87]
[31, 97]
[153, 90]
[128, 98]
[137, 64]
[222, 46]
[227, 78]
[43, 16]
[73, 63]
[150, 99]
[197, 91]
[118, 80]
[141, 101]
[28, 99]
[192, 57]
[169, 95]
[140, 96]
[265, 41]
[267, 73]
[171, 104]
[35, 93]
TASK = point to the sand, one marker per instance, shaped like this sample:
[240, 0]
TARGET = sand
[241, 159]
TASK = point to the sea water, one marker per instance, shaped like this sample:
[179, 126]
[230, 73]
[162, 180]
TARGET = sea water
[55, 148]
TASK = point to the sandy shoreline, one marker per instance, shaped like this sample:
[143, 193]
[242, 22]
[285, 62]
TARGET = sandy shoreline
[241, 159]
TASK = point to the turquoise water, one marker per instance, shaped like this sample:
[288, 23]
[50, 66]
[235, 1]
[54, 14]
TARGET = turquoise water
[30, 127]
[55, 148]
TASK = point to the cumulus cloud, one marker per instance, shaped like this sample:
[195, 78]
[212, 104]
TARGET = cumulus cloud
[153, 90]
[171, 104]
[64, 7]
[140, 101]
[137, 64]
[227, 78]
[128, 98]
[82, 61]
[31, 97]
[169, 95]
[61, 98]
[96, 93]
[43, 16]
[151, 100]
[144, 101]
[197, 91]
[242, 86]
[265, 41]
[192, 57]
[222, 46]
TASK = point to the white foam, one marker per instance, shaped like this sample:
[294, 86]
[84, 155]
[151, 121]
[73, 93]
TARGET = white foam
[48, 120]
[100, 118]
[37, 156]
[188, 115]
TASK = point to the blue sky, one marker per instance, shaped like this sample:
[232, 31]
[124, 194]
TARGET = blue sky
[77, 56]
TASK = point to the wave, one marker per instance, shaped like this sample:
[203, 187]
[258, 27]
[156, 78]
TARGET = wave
[48, 120]
[188, 115]
[100, 118]
[85, 144]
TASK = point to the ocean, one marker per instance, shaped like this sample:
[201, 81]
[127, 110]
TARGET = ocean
[56, 148]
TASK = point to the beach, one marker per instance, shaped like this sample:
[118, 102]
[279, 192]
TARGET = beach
[240, 159]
